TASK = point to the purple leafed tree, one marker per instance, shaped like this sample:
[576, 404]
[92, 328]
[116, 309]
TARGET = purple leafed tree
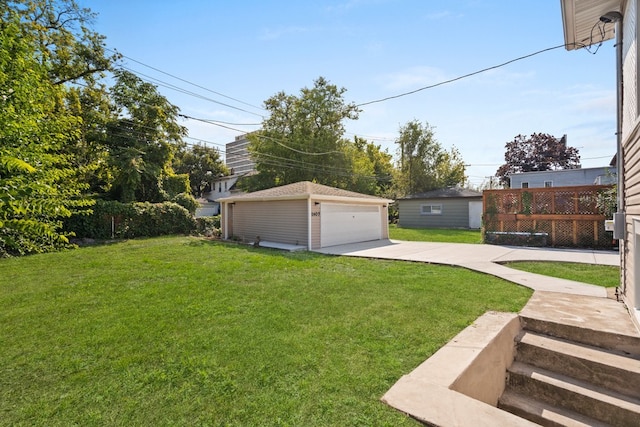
[538, 152]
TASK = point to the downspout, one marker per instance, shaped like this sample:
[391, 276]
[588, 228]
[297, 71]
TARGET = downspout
[619, 216]
[225, 214]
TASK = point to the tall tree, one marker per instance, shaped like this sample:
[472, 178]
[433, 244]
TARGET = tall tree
[424, 164]
[302, 138]
[202, 164]
[37, 185]
[62, 35]
[539, 152]
[142, 139]
[76, 57]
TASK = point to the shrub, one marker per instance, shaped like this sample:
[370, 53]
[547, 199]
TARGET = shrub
[209, 226]
[187, 201]
[158, 219]
[114, 219]
[102, 223]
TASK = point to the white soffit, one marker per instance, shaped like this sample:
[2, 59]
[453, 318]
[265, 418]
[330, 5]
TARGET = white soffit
[579, 19]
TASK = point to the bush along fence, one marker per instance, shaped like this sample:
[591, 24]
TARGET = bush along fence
[553, 216]
[111, 219]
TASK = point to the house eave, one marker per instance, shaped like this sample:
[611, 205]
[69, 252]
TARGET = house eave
[580, 17]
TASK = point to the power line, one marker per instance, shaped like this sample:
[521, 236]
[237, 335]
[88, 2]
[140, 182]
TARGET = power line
[181, 90]
[277, 141]
[185, 81]
[463, 76]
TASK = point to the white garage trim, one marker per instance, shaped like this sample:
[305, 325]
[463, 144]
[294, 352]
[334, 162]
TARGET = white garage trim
[348, 223]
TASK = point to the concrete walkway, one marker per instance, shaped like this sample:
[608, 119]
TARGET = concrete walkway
[486, 259]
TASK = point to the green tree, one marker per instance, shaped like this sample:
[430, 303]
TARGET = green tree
[424, 164]
[37, 185]
[302, 138]
[142, 140]
[75, 57]
[538, 152]
[202, 164]
[61, 33]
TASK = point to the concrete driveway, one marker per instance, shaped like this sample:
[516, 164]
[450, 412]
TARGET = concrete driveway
[486, 259]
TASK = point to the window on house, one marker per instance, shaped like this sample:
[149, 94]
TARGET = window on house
[225, 186]
[219, 187]
[430, 209]
[548, 184]
[524, 185]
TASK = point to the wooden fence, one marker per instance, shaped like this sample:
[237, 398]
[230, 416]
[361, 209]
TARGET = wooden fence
[566, 216]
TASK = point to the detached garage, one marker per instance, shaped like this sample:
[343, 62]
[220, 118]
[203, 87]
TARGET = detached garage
[305, 214]
[452, 207]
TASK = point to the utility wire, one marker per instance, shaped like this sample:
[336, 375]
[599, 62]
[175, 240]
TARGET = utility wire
[187, 92]
[185, 81]
[277, 141]
[520, 58]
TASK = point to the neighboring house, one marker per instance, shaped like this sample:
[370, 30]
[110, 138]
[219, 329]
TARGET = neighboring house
[305, 214]
[446, 208]
[221, 187]
[620, 19]
[564, 178]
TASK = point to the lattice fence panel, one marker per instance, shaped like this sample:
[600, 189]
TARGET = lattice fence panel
[563, 233]
[542, 203]
[544, 227]
[526, 225]
[564, 202]
[549, 210]
[605, 238]
[586, 202]
[510, 203]
[510, 226]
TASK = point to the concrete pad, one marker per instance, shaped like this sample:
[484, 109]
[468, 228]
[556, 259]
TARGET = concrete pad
[586, 256]
[486, 259]
[281, 246]
[537, 282]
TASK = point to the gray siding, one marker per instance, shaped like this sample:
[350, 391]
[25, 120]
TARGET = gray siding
[277, 221]
[565, 178]
[455, 213]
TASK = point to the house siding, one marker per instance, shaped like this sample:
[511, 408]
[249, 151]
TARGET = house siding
[455, 213]
[564, 178]
[279, 221]
[630, 162]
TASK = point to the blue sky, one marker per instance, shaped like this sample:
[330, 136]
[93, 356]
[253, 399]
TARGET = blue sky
[242, 52]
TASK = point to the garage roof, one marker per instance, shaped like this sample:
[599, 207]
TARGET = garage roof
[449, 192]
[580, 17]
[305, 190]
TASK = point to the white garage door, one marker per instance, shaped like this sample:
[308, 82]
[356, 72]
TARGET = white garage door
[340, 224]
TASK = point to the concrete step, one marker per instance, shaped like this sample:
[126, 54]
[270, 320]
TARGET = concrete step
[602, 368]
[556, 389]
[624, 344]
[543, 413]
[598, 322]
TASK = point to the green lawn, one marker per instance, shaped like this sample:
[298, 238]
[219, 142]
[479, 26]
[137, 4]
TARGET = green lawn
[602, 275]
[185, 331]
[435, 234]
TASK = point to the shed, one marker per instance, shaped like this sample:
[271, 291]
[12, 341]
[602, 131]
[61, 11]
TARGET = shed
[305, 214]
[452, 207]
